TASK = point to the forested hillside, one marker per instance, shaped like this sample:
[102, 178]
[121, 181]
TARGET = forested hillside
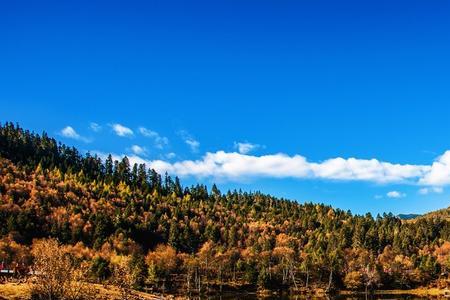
[192, 237]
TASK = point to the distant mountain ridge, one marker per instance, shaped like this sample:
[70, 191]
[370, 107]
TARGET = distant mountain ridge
[408, 216]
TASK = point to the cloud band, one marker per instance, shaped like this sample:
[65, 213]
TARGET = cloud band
[237, 166]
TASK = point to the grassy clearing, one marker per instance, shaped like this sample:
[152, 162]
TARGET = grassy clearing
[420, 292]
[14, 291]
[20, 291]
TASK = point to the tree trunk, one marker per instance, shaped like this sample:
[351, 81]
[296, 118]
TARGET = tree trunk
[293, 277]
[330, 280]
[206, 274]
[220, 279]
[307, 277]
[188, 282]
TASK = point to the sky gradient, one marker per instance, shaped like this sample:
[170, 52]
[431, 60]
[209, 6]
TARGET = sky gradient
[275, 91]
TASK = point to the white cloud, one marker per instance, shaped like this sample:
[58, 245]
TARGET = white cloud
[138, 150]
[160, 141]
[439, 174]
[193, 144]
[245, 147]
[171, 155]
[121, 130]
[366, 170]
[95, 127]
[395, 194]
[189, 140]
[429, 190]
[71, 133]
[236, 166]
[378, 197]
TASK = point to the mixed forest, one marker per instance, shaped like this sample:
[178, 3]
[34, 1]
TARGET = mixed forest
[115, 219]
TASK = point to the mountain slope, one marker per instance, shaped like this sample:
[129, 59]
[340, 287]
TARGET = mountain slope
[175, 235]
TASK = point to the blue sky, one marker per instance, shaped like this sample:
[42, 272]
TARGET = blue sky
[311, 83]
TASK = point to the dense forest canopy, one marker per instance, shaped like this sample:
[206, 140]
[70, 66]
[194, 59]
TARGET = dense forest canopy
[191, 237]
